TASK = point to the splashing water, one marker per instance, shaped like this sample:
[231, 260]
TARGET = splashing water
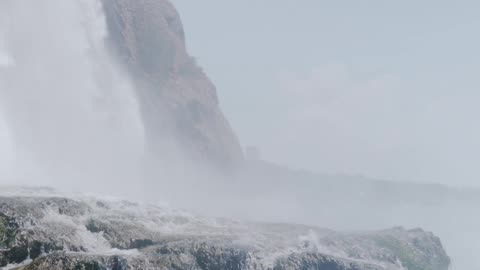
[69, 108]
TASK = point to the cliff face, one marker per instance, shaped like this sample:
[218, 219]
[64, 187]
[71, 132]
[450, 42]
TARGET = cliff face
[59, 232]
[178, 101]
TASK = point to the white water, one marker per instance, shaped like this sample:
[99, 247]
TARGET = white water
[69, 108]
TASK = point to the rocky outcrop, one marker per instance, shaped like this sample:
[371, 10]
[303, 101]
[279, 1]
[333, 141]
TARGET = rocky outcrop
[56, 232]
[178, 101]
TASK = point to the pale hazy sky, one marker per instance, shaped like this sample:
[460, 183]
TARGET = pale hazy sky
[387, 89]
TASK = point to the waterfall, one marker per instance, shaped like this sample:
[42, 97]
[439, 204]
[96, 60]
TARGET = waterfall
[69, 108]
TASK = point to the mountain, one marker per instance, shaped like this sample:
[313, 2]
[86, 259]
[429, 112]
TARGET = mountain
[47, 230]
[178, 101]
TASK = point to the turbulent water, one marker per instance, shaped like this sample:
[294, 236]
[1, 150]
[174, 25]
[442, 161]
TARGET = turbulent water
[69, 107]
[146, 236]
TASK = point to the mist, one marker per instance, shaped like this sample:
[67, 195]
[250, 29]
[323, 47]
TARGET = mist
[79, 116]
[69, 110]
[381, 90]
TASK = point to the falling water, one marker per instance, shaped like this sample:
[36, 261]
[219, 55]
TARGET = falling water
[70, 110]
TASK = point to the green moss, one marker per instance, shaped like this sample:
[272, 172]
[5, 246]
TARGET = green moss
[404, 253]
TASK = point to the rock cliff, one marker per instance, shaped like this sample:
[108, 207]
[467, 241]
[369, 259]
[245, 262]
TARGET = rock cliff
[178, 101]
[54, 231]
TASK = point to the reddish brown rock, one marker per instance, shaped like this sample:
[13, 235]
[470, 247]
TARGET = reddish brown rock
[178, 101]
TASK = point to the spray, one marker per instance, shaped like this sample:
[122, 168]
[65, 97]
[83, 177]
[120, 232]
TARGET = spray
[69, 108]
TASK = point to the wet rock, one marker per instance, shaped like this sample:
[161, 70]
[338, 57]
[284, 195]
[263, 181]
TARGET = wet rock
[140, 243]
[35, 249]
[120, 235]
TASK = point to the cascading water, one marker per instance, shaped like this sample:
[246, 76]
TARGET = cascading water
[69, 108]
